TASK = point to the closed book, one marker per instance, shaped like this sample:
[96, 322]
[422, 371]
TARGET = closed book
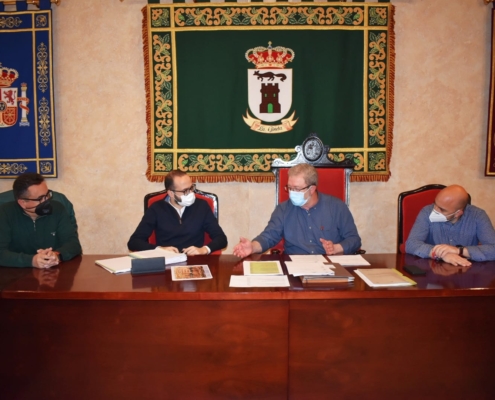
[340, 275]
[324, 279]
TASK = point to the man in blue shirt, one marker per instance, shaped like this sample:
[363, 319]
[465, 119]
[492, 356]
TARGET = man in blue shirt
[310, 222]
[452, 230]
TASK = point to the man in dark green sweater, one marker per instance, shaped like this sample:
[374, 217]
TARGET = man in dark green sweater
[35, 231]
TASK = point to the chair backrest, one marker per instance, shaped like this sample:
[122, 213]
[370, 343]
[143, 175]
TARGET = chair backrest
[210, 198]
[333, 176]
[410, 204]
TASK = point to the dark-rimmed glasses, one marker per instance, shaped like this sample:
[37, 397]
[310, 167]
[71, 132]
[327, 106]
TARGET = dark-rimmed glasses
[291, 189]
[185, 192]
[41, 199]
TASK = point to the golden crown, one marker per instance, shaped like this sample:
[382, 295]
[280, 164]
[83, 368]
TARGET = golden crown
[270, 57]
[7, 76]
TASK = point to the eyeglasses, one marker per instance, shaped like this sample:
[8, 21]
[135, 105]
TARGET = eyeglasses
[291, 189]
[185, 192]
[41, 199]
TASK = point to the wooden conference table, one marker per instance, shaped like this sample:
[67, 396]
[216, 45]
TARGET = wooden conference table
[79, 332]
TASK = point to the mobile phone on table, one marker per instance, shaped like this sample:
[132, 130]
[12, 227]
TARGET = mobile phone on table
[414, 270]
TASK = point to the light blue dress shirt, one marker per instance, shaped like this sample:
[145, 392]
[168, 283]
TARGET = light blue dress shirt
[329, 219]
[473, 230]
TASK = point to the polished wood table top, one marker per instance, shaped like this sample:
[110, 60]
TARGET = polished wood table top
[81, 278]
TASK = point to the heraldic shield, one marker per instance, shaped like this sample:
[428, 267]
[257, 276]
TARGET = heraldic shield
[8, 107]
[270, 93]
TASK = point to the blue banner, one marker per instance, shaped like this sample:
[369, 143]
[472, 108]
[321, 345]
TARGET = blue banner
[27, 111]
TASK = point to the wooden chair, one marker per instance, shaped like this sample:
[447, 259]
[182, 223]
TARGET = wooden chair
[210, 198]
[333, 177]
[410, 204]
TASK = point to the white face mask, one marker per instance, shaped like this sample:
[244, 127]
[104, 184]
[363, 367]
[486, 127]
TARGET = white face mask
[187, 200]
[297, 198]
[435, 216]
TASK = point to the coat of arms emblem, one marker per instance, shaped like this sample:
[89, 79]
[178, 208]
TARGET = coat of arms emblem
[10, 99]
[270, 89]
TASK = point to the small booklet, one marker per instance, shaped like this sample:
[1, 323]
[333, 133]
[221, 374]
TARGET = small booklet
[262, 268]
[384, 277]
[118, 265]
[170, 256]
[191, 272]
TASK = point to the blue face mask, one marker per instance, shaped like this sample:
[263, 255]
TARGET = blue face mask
[297, 198]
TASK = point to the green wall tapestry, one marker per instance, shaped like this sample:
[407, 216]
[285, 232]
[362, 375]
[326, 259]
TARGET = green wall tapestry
[232, 86]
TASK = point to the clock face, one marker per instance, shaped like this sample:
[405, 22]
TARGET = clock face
[312, 149]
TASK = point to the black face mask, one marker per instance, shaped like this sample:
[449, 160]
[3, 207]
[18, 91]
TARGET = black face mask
[44, 208]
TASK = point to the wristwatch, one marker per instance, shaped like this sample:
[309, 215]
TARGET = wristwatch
[461, 249]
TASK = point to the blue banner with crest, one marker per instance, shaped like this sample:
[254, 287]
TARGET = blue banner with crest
[27, 110]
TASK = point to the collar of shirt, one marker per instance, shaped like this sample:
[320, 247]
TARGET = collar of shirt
[179, 210]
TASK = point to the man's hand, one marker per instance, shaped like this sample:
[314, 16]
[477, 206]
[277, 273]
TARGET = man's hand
[331, 248]
[195, 251]
[244, 248]
[45, 258]
[456, 259]
[169, 248]
[441, 250]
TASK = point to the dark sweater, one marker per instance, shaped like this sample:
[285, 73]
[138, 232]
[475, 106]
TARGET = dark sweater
[21, 236]
[172, 230]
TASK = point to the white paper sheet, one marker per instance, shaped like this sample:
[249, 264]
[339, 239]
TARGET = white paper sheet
[354, 259]
[308, 258]
[259, 281]
[301, 268]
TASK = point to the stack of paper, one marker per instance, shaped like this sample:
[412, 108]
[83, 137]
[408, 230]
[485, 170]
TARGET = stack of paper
[298, 268]
[354, 259]
[117, 265]
[260, 274]
[384, 277]
[170, 256]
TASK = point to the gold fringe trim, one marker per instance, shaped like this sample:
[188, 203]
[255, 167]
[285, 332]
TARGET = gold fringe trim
[146, 50]
[233, 178]
[391, 91]
[367, 177]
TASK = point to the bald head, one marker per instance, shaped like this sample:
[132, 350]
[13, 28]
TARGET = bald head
[452, 198]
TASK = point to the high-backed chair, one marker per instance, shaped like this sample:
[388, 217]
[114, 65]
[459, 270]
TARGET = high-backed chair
[333, 177]
[210, 198]
[410, 204]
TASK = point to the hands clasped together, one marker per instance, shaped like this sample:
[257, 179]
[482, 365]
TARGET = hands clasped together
[190, 251]
[46, 258]
[449, 254]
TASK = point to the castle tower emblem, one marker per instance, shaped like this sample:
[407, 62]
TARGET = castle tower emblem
[270, 89]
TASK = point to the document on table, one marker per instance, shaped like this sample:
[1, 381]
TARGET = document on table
[262, 268]
[298, 268]
[118, 265]
[170, 256]
[309, 258]
[354, 259]
[384, 277]
[259, 281]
